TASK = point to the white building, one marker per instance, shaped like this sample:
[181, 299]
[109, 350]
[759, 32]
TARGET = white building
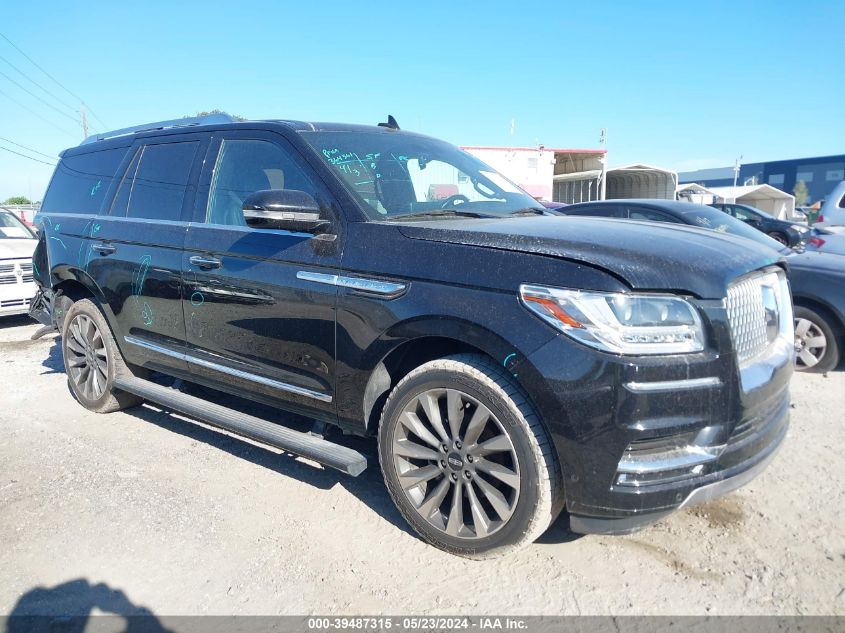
[562, 175]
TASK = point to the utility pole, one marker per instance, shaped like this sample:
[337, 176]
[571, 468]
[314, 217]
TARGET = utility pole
[603, 159]
[736, 169]
[84, 121]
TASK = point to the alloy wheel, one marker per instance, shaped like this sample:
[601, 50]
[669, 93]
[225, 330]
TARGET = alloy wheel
[810, 343]
[456, 464]
[88, 363]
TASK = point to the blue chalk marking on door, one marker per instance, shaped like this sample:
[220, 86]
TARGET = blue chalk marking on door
[197, 299]
[507, 358]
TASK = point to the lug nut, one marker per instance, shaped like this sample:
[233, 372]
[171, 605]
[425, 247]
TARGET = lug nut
[469, 458]
[467, 474]
[454, 476]
[444, 448]
[457, 445]
[442, 463]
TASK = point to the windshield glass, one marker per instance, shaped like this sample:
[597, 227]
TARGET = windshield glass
[710, 218]
[11, 228]
[396, 174]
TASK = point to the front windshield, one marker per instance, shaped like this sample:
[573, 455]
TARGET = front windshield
[11, 228]
[710, 218]
[397, 174]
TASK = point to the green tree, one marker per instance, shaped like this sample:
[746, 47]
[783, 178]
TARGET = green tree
[17, 200]
[237, 117]
[801, 194]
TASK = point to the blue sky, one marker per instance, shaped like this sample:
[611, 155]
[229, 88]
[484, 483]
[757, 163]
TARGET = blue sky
[679, 84]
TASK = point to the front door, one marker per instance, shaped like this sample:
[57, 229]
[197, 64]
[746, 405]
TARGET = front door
[255, 326]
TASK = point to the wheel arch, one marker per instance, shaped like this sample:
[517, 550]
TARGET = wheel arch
[421, 341]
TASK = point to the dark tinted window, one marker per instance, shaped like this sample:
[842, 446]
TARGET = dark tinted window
[643, 213]
[597, 210]
[121, 198]
[245, 166]
[160, 180]
[80, 182]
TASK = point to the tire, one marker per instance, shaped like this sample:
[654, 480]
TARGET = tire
[86, 340]
[442, 508]
[817, 345]
[779, 237]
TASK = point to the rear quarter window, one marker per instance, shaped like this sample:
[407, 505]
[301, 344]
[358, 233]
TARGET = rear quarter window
[80, 182]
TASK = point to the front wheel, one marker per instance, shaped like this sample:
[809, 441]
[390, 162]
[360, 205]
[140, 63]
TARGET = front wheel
[779, 237]
[93, 360]
[466, 459]
[816, 345]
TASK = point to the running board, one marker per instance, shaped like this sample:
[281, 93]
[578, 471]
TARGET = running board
[344, 459]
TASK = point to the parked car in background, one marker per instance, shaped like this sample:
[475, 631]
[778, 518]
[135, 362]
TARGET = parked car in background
[826, 241]
[510, 361]
[17, 243]
[832, 213]
[788, 233]
[818, 283]
[799, 215]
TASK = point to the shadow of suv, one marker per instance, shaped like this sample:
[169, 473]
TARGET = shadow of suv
[510, 361]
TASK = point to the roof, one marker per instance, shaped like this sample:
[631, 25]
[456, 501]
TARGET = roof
[677, 206]
[556, 150]
[760, 191]
[640, 167]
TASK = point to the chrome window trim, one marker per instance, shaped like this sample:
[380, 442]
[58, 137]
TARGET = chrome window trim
[374, 286]
[188, 358]
[673, 385]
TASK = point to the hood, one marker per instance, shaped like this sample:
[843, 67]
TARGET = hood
[17, 248]
[645, 255]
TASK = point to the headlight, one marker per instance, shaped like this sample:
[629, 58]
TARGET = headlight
[617, 322]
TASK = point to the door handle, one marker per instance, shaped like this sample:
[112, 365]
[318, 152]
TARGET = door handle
[104, 249]
[205, 262]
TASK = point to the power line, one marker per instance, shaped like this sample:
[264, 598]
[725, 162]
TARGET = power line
[59, 83]
[29, 149]
[34, 113]
[23, 74]
[29, 157]
[29, 92]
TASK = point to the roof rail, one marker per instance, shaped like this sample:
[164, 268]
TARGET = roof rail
[208, 119]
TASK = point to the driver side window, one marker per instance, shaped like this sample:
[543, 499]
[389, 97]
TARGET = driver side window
[245, 166]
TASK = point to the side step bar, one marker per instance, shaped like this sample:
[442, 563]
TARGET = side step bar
[344, 459]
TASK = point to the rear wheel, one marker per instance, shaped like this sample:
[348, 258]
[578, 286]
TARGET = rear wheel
[816, 345]
[93, 360]
[466, 459]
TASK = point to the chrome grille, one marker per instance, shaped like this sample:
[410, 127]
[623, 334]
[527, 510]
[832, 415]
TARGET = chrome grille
[759, 311]
[7, 268]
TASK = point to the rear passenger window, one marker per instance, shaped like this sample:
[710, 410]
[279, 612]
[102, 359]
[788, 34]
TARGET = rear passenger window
[155, 183]
[81, 181]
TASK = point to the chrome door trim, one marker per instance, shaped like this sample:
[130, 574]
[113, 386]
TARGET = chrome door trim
[189, 358]
[387, 289]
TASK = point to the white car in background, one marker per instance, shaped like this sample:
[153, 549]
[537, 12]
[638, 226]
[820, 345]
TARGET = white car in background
[832, 213]
[17, 243]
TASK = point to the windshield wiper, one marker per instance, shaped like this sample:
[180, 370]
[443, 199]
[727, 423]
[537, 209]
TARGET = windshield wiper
[440, 213]
[528, 211]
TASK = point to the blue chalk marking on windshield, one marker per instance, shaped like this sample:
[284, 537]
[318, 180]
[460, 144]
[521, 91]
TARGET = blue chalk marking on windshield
[96, 188]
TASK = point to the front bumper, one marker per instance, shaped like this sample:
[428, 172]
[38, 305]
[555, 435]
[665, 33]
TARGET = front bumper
[639, 438]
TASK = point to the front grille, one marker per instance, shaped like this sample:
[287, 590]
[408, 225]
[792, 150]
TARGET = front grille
[7, 268]
[747, 317]
[14, 303]
[27, 268]
[27, 278]
[8, 280]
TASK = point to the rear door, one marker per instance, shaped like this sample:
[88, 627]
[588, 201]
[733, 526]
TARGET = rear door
[256, 324]
[136, 249]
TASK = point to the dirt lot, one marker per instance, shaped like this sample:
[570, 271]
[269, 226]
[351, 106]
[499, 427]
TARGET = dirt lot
[185, 520]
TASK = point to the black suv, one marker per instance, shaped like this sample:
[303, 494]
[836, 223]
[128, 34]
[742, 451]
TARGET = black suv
[787, 233]
[511, 362]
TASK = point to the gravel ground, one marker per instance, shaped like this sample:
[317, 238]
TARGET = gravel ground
[141, 510]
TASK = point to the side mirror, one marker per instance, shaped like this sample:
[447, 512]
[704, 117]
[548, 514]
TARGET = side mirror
[285, 209]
